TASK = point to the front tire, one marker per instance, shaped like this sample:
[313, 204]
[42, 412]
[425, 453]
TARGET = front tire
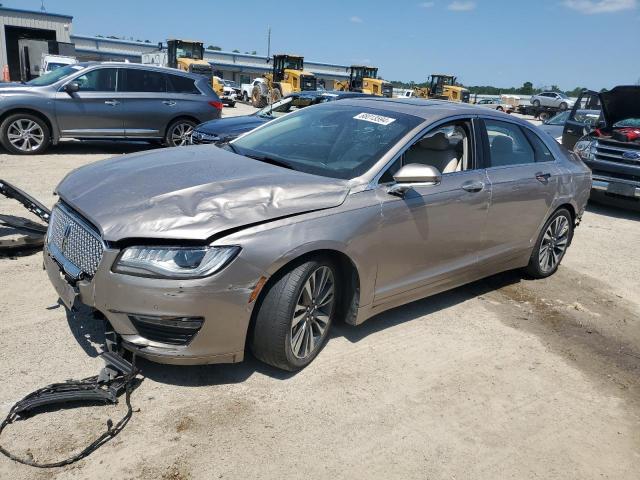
[24, 134]
[295, 315]
[563, 106]
[536, 103]
[551, 246]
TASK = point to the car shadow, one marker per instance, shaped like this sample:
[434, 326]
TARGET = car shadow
[89, 331]
[425, 306]
[613, 207]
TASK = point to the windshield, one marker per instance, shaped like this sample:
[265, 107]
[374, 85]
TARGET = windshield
[332, 140]
[189, 50]
[54, 76]
[562, 95]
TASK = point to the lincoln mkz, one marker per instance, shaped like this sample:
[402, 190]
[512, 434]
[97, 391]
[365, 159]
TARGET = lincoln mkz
[338, 211]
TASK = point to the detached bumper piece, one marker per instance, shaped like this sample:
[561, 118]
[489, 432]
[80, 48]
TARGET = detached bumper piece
[116, 377]
[29, 235]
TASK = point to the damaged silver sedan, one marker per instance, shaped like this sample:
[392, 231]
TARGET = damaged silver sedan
[337, 212]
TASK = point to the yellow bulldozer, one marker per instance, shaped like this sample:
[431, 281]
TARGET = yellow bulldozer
[364, 79]
[443, 87]
[187, 55]
[287, 76]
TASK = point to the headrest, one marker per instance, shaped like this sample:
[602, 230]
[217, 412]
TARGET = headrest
[439, 141]
[502, 143]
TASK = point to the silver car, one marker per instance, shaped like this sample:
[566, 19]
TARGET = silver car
[111, 100]
[338, 211]
[552, 99]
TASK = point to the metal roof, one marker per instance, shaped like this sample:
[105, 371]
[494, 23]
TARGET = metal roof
[35, 12]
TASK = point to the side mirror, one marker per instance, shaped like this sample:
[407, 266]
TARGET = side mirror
[414, 175]
[71, 87]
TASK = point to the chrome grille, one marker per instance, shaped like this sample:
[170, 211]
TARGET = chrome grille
[618, 152]
[72, 239]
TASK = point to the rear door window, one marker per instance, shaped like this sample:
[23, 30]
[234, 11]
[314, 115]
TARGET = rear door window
[138, 80]
[508, 145]
[180, 84]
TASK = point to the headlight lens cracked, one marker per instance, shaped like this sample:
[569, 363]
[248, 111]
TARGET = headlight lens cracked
[174, 262]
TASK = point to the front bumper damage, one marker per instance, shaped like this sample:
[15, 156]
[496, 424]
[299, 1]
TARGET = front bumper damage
[220, 303]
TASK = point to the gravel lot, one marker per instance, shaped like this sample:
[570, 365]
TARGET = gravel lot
[503, 378]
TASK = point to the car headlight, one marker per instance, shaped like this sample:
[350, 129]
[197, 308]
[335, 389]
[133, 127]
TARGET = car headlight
[585, 149]
[174, 262]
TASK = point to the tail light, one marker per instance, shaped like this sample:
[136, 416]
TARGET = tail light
[216, 104]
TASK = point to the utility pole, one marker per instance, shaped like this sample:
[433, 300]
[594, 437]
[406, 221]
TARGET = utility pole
[269, 41]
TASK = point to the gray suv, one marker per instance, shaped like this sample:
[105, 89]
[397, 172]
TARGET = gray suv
[110, 100]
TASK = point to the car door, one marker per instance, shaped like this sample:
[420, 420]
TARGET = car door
[148, 106]
[95, 110]
[584, 115]
[523, 176]
[431, 236]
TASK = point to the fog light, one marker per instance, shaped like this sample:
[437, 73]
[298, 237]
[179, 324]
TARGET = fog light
[170, 330]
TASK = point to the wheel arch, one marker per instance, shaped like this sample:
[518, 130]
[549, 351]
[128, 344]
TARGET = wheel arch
[181, 116]
[37, 113]
[348, 270]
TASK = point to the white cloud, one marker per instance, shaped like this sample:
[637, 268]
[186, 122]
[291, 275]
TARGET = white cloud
[426, 4]
[590, 7]
[461, 6]
[355, 19]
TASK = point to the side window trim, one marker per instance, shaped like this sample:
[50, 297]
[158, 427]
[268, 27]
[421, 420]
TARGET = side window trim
[375, 181]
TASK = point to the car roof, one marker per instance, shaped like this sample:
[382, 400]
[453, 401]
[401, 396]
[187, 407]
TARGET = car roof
[430, 110]
[157, 68]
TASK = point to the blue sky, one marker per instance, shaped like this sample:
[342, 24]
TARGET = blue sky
[592, 43]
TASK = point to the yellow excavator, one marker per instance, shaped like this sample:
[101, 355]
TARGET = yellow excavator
[443, 87]
[187, 55]
[287, 76]
[365, 79]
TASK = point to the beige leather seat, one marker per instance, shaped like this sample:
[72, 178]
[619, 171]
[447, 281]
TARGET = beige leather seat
[436, 151]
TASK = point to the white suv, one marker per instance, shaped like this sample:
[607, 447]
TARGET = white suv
[552, 99]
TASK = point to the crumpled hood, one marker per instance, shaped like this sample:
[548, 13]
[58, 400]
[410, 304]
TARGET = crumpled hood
[620, 103]
[191, 193]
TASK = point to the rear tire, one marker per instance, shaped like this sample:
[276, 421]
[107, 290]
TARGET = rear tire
[24, 134]
[555, 237]
[292, 325]
[179, 133]
[257, 99]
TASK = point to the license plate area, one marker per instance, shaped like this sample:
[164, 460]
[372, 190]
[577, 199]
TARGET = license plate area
[68, 293]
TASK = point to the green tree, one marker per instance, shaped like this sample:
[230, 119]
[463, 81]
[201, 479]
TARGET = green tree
[214, 47]
[527, 88]
[235, 50]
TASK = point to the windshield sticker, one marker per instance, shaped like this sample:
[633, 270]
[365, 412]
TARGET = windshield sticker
[379, 119]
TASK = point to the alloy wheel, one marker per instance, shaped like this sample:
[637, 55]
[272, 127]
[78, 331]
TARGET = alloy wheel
[312, 313]
[25, 135]
[181, 134]
[554, 243]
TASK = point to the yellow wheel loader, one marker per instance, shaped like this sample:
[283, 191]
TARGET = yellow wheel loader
[287, 76]
[184, 55]
[365, 79]
[443, 87]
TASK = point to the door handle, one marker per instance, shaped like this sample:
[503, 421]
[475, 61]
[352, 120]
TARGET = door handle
[473, 186]
[543, 177]
[113, 103]
[170, 103]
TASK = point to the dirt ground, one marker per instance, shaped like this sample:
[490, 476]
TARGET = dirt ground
[503, 378]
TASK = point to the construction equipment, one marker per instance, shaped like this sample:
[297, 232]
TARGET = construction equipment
[365, 79]
[443, 87]
[187, 55]
[287, 76]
